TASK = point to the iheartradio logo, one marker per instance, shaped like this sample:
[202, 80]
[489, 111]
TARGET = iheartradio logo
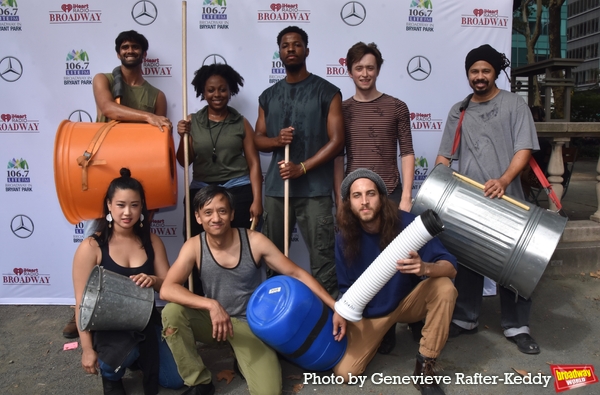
[342, 61]
[66, 7]
[18, 271]
[5, 117]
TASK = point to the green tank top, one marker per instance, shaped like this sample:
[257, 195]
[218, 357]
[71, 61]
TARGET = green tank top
[141, 97]
[227, 139]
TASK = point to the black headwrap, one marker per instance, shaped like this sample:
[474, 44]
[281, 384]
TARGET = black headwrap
[488, 54]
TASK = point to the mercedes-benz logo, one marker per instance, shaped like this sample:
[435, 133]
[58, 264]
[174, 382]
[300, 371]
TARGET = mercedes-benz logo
[80, 116]
[11, 69]
[213, 58]
[22, 226]
[353, 13]
[144, 12]
[418, 68]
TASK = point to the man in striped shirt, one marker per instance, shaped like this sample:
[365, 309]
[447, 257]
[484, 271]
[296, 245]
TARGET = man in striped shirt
[374, 124]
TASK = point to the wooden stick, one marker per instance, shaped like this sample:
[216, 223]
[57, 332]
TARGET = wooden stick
[254, 223]
[186, 141]
[478, 185]
[286, 207]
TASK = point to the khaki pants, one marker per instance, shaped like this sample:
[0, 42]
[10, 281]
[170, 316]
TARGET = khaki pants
[257, 361]
[432, 300]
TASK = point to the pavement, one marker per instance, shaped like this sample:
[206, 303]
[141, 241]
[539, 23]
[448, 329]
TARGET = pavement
[565, 321]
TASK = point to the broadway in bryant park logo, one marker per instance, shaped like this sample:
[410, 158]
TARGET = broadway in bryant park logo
[214, 15]
[75, 13]
[282, 12]
[277, 69]
[420, 16]
[9, 16]
[484, 18]
[17, 176]
[567, 377]
[25, 276]
[78, 68]
[18, 123]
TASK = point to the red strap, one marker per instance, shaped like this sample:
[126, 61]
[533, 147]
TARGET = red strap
[544, 183]
[457, 134]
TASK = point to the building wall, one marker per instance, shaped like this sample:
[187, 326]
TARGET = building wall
[583, 40]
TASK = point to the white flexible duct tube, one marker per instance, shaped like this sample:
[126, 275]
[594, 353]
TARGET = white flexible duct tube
[424, 228]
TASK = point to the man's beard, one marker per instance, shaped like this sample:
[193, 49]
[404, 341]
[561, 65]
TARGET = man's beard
[133, 65]
[293, 68]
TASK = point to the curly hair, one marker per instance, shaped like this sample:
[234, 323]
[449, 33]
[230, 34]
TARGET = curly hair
[133, 36]
[293, 29]
[234, 80]
[350, 228]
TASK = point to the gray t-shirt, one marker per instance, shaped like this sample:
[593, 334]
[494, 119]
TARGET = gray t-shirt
[492, 132]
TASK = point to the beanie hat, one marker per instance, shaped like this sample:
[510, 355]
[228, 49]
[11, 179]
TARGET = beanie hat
[362, 173]
[488, 54]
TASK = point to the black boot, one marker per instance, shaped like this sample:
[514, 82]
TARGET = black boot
[416, 328]
[427, 367]
[388, 342]
[113, 387]
[200, 389]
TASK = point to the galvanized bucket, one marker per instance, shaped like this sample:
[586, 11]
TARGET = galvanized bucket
[492, 237]
[114, 302]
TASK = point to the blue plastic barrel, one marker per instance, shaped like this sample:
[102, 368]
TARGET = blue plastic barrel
[285, 314]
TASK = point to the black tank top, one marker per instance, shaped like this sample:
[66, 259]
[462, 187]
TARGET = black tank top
[108, 263]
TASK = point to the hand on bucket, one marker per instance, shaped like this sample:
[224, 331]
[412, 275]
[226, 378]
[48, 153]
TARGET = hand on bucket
[143, 280]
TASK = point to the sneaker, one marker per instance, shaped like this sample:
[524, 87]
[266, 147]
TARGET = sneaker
[70, 330]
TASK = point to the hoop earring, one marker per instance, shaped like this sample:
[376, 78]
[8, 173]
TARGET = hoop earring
[109, 218]
[142, 221]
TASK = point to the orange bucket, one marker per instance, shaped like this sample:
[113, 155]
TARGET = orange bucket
[142, 148]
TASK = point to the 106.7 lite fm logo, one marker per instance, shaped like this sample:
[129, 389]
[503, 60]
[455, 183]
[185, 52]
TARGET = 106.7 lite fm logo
[421, 171]
[78, 68]
[214, 15]
[75, 13]
[17, 176]
[420, 16]
[9, 16]
[277, 69]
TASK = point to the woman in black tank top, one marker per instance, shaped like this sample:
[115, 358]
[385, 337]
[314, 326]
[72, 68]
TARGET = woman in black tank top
[125, 245]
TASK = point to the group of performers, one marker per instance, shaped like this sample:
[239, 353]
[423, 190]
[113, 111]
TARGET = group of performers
[342, 153]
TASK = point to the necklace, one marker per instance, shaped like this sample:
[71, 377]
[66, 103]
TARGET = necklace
[214, 142]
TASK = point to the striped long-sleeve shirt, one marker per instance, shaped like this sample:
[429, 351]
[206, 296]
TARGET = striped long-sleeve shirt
[373, 130]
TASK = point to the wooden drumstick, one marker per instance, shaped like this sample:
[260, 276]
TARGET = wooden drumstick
[478, 185]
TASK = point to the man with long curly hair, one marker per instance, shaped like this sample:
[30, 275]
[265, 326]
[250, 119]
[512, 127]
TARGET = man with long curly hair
[421, 289]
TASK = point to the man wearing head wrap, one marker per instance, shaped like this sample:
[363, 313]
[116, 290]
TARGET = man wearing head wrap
[421, 289]
[497, 137]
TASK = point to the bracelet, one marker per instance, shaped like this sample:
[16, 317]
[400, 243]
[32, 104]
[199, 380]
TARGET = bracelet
[303, 167]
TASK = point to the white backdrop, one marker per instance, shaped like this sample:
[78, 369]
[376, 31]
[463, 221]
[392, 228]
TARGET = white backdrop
[51, 50]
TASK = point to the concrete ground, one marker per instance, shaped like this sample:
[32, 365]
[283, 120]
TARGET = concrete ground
[565, 322]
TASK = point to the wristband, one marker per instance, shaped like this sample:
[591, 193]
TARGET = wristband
[303, 168]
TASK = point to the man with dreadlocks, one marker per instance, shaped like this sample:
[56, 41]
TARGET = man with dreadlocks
[496, 139]
[421, 289]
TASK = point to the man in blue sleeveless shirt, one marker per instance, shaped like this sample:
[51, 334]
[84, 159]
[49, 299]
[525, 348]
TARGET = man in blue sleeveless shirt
[229, 262]
[304, 111]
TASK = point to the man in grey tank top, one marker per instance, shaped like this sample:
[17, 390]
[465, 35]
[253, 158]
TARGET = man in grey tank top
[229, 261]
[496, 140]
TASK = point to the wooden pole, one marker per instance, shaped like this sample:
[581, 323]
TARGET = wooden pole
[286, 208]
[480, 186]
[186, 137]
